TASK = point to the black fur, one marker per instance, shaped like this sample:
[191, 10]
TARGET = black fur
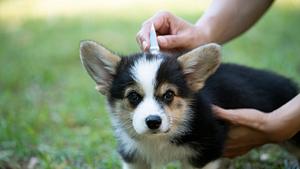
[123, 77]
[235, 86]
[170, 72]
[128, 157]
[232, 86]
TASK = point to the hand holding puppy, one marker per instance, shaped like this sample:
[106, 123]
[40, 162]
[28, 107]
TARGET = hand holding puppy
[252, 128]
[173, 32]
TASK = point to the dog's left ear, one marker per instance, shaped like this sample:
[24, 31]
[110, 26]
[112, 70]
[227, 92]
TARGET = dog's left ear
[100, 64]
[199, 64]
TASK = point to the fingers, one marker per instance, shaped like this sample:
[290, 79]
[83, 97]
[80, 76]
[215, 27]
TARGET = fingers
[229, 153]
[143, 41]
[242, 139]
[160, 21]
[170, 41]
[142, 38]
[238, 149]
[173, 32]
[241, 136]
[225, 114]
[245, 117]
[249, 132]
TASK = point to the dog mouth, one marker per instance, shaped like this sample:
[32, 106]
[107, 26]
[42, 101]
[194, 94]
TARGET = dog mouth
[157, 132]
[154, 132]
[145, 123]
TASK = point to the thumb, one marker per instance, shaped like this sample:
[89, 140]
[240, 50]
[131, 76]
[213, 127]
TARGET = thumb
[225, 114]
[244, 117]
[170, 41]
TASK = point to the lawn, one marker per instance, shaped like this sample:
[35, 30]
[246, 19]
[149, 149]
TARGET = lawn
[50, 114]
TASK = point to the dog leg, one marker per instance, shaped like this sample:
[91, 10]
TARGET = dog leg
[158, 167]
[217, 164]
[293, 149]
[213, 165]
[186, 165]
[138, 165]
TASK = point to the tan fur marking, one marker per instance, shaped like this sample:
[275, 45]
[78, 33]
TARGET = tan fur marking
[177, 112]
[123, 111]
[136, 88]
[161, 90]
[177, 109]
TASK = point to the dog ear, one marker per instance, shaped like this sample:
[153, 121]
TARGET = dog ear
[199, 64]
[100, 64]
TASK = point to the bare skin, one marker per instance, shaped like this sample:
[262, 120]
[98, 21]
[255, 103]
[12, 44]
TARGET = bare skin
[252, 128]
[223, 21]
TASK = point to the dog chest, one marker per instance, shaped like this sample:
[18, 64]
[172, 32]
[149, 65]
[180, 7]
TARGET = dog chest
[156, 151]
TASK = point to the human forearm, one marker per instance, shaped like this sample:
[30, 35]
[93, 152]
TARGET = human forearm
[288, 116]
[222, 21]
[227, 19]
[252, 128]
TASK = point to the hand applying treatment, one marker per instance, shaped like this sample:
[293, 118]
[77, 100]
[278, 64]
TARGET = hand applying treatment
[154, 48]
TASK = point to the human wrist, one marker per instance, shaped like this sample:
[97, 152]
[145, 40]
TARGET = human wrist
[210, 30]
[203, 33]
[278, 126]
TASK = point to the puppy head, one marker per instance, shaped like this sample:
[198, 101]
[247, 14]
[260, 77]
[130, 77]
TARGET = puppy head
[149, 94]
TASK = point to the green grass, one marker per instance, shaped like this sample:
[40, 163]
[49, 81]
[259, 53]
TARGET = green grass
[49, 109]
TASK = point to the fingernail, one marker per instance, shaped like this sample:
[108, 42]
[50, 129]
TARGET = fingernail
[161, 41]
[144, 45]
[215, 108]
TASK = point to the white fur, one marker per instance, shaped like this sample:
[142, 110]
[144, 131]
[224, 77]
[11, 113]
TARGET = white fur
[135, 166]
[125, 166]
[147, 107]
[163, 151]
[144, 73]
[213, 165]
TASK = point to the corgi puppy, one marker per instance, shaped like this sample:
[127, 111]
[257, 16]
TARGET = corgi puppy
[160, 105]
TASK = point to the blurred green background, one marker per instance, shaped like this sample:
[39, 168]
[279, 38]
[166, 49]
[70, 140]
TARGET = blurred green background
[50, 114]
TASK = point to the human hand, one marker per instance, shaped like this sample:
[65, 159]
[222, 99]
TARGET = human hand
[173, 33]
[252, 128]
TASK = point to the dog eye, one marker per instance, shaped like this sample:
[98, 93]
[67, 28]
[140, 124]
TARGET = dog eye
[134, 98]
[168, 96]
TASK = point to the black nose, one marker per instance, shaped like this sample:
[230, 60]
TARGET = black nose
[153, 122]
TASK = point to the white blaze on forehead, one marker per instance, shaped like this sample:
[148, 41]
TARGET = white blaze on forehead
[144, 72]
